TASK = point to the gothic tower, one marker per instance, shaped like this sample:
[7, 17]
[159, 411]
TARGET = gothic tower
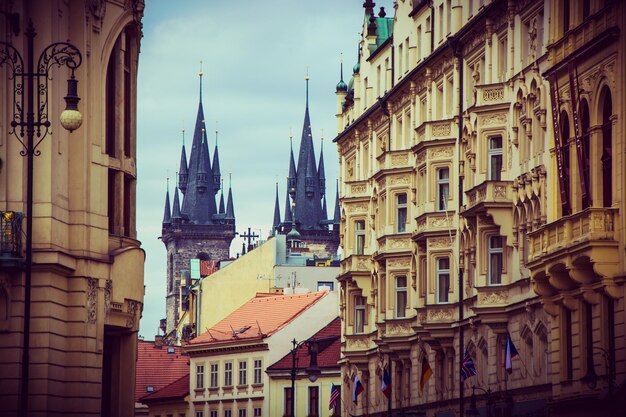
[196, 228]
[305, 208]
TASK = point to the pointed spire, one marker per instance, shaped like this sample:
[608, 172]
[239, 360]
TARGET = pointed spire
[216, 165]
[183, 173]
[203, 170]
[200, 74]
[176, 216]
[307, 87]
[276, 223]
[324, 209]
[221, 208]
[337, 216]
[230, 209]
[342, 87]
[167, 214]
[287, 209]
[320, 172]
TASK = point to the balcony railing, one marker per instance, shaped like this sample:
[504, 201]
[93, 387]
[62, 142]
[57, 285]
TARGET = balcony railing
[356, 264]
[490, 94]
[489, 192]
[11, 237]
[592, 224]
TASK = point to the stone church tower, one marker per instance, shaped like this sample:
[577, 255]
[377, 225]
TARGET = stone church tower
[196, 228]
[306, 221]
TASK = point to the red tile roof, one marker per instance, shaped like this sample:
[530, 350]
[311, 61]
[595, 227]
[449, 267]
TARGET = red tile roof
[156, 367]
[260, 317]
[329, 349]
[178, 389]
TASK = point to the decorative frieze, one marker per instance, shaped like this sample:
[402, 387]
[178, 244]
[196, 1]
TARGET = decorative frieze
[398, 329]
[357, 208]
[493, 119]
[440, 152]
[92, 300]
[400, 180]
[398, 263]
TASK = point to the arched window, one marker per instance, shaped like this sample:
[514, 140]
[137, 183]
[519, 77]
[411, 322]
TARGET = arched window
[564, 119]
[586, 160]
[607, 149]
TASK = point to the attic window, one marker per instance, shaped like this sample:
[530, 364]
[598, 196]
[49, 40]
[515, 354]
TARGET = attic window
[170, 350]
[149, 388]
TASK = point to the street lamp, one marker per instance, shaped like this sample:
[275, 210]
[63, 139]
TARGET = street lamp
[313, 371]
[31, 84]
[472, 411]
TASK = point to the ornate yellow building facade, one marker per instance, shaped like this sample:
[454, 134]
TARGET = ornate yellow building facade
[455, 193]
[87, 266]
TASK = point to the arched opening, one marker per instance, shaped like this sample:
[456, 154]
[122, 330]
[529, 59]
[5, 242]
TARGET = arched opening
[606, 158]
[585, 199]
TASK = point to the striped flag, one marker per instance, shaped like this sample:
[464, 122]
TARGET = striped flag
[357, 388]
[467, 367]
[335, 394]
[385, 384]
[510, 353]
[427, 372]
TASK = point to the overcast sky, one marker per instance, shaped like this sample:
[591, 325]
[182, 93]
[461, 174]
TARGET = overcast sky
[254, 55]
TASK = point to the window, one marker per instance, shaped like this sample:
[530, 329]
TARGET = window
[258, 376]
[359, 314]
[494, 269]
[607, 150]
[443, 188]
[567, 343]
[214, 375]
[401, 300]
[586, 148]
[495, 158]
[242, 412]
[314, 402]
[325, 284]
[359, 244]
[228, 413]
[243, 373]
[199, 414]
[199, 376]
[443, 279]
[213, 413]
[257, 412]
[287, 402]
[228, 374]
[401, 213]
[565, 11]
[502, 58]
[419, 42]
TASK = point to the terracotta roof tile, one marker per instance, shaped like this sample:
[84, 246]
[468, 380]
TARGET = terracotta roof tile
[327, 356]
[260, 317]
[177, 389]
[156, 367]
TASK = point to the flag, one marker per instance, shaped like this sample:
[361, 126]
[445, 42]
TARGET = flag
[426, 372]
[357, 388]
[511, 352]
[385, 384]
[335, 394]
[467, 367]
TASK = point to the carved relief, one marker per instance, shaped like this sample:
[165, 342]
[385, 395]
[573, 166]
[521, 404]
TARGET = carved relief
[357, 188]
[499, 191]
[92, 299]
[491, 298]
[442, 152]
[440, 222]
[398, 263]
[440, 314]
[399, 160]
[360, 207]
[421, 157]
[493, 94]
[357, 342]
[394, 329]
[108, 288]
[494, 119]
[132, 312]
[439, 242]
[441, 129]
[401, 180]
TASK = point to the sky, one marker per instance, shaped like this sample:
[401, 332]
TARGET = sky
[254, 61]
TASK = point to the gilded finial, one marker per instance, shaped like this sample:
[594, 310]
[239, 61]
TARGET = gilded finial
[307, 73]
[200, 73]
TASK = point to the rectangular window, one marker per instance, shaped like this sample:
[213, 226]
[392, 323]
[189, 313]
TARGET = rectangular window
[128, 206]
[495, 158]
[257, 412]
[502, 58]
[400, 56]
[443, 279]
[242, 412]
[567, 342]
[443, 188]
[199, 376]
[440, 28]
[243, 373]
[110, 118]
[213, 413]
[199, 414]
[214, 370]
[495, 260]
[419, 43]
[401, 213]
[401, 297]
[359, 244]
[287, 402]
[228, 374]
[325, 284]
[112, 202]
[228, 413]
[359, 314]
[258, 369]
[314, 402]
[449, 16]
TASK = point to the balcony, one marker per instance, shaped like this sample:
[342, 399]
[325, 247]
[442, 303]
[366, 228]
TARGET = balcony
[11, 239]
[356, 189]
[578, 249]
[437, 129]
[394, 160]
[434, 224]
[492, 94]
[357, 264]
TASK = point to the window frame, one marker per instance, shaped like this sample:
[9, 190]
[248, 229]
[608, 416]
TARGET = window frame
[228, 374]
[200, 376]
[401, 208]
[498, 252]
[494, 152]
[441, 183]
[359, 313]
[399, 290]
[214, 369]
[258, 372]
[359, 237]
[313, 403]
[439, 274]
[243, 372]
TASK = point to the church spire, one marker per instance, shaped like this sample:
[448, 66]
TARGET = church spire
[320, 172]
[230, 209]
[216, 165]
[276, 223]
[221, 209]
[182, 173]
[167, 214]
[337, 216]
[287, 209]
[291, 180]
[176, 215]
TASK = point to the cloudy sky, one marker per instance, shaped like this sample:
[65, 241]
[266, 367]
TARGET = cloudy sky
[254, 55]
